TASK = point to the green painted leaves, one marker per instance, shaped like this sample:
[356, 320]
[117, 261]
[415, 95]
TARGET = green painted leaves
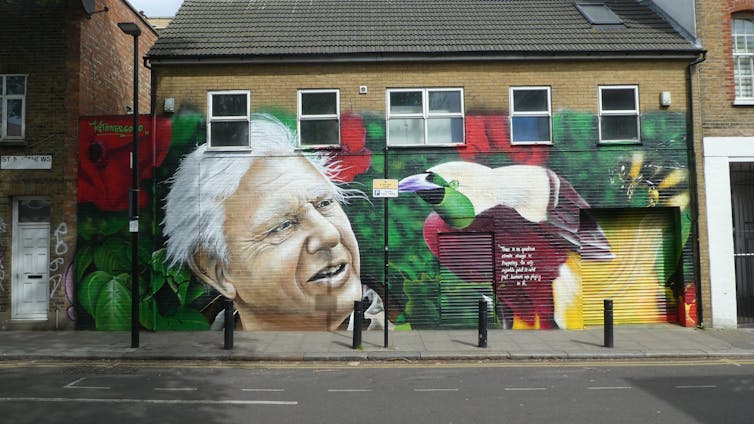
[107, 299]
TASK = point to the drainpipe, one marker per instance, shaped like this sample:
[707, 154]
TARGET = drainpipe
[693, 189]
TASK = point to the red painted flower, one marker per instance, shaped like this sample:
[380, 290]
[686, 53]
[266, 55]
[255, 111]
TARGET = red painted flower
[353, 158]
[489, 133]
[105, 158]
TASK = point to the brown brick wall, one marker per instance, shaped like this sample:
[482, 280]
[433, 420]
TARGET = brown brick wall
[719, 116]
[716, 116]
[574, 85]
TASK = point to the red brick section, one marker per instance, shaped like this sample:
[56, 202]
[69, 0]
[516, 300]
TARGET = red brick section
[720, 116]
[75, 66]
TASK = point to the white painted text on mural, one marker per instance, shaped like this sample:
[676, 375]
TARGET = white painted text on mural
[518, 265]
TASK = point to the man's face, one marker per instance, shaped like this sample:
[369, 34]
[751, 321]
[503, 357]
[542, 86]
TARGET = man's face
[293, 257]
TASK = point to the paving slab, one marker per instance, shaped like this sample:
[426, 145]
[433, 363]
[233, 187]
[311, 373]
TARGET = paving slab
[630, 342]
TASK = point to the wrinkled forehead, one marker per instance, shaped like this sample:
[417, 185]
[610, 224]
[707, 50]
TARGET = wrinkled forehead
[277, 186]
[276, 172]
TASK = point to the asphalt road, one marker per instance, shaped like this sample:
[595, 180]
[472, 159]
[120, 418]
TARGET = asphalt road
[508, 392]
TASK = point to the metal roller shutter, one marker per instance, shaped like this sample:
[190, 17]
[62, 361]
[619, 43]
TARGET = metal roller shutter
[466, 276]
[643, 242]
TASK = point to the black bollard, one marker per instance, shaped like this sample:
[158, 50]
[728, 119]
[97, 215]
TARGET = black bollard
[482, 323]
[358, 318]
[608, 322]
[229, 324]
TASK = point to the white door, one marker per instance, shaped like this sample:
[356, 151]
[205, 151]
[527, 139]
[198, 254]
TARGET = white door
[31, 277]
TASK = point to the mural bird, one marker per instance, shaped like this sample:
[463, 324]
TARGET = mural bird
[535, 216]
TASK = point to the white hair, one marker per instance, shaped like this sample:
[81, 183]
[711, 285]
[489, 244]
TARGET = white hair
[194, 206]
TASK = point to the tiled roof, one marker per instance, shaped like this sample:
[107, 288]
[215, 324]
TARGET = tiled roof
[248, 29]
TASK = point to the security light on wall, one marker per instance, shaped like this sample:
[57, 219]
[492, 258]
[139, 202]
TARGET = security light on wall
[665, 99]
[169, 105]
[363, 89]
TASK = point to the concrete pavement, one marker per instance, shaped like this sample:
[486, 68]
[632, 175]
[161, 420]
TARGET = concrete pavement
[630, 342]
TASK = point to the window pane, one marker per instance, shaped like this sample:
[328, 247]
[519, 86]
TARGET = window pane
[749, 44]
[738, 44]
[229, 105]
[15, 118]
[445, 101]
[530, 101]
[743, 26]
[15, 85]
[319, 103]
[319, 132]
[619, 128]
[36, 210]
[744, 67]
[406, 131]
[531, 128]
[406, 102]
[744, 86]
[225, 134]
[618, 99]
[444, 131]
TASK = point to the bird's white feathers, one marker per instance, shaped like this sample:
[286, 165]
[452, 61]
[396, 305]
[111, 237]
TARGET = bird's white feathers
[536, 193]
[525, 188]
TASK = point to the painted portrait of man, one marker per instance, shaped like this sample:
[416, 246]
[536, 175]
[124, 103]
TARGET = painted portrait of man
[266, 229]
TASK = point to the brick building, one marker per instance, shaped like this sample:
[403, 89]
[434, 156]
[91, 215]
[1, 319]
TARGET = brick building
[538, 152]
[57, 64]
[725, 148]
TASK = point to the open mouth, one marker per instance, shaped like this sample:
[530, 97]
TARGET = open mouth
[328, 275]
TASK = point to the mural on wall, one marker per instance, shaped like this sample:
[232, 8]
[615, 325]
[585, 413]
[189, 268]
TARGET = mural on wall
[293, 239]
[268, 231]
[535, 213]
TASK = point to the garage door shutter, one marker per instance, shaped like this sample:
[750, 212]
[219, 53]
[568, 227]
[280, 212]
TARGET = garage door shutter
[643, 242]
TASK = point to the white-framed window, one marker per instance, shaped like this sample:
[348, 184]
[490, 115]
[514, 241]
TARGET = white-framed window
[619, 113]
[229, 119]
[531, 117]
[742, 29]
[12, 107]
[425, 116]
[318, 118]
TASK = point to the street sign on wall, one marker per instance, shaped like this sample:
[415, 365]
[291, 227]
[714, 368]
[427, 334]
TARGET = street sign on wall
[384, 188]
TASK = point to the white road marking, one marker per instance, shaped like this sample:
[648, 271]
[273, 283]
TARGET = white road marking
[72, 385]
[176, 389]
[609, 388]
[262, 390]
[349, 390]
[435, 390]
[150, 401]
[700, 386]
[524, 389]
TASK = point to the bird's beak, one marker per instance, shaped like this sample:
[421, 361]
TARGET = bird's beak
[416, 183]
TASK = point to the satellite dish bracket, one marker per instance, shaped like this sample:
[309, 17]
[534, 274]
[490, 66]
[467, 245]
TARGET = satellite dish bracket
[90, 8]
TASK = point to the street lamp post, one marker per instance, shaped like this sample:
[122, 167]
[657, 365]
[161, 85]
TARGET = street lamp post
[133, 30]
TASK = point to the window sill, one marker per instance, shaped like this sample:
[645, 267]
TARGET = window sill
[13, 142]
[209, 151]
[424, 146]
[618, 142]
[531, 143]
[319, 147]
[743, 102]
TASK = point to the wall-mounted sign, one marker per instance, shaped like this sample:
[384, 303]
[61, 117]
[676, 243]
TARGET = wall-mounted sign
[26, 162]
[384, 188]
